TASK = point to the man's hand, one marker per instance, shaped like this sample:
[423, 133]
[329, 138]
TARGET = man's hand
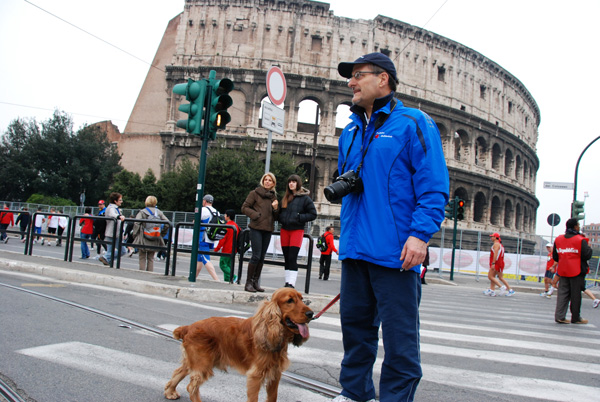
[413, 253]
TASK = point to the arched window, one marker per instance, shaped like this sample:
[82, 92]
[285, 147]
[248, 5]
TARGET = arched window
[342, 118]
[307, 115]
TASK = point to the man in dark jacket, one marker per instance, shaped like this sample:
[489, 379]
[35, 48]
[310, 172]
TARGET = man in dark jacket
[572, 253]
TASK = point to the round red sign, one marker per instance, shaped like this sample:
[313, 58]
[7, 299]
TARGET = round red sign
[276, 86]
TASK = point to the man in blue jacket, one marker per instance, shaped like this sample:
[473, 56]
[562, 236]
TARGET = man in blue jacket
[392, 205]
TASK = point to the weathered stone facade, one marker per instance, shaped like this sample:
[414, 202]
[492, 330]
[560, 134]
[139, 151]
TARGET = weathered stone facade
[487, 118]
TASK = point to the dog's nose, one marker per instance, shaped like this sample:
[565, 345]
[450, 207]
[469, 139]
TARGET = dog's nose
[309, 314]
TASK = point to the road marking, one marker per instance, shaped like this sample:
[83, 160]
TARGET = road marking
[154, 374]
[42, 285]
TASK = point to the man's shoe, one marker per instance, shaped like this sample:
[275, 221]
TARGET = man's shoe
[581, 321]
[103, 260]
[596, 303]
[6, 240]
[342, 398]
[563, 321]
[288, 285]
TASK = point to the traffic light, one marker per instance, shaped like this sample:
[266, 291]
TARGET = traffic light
[460, 210]
[450, 210]
[577, 210]
[195, 92]
[217, 108]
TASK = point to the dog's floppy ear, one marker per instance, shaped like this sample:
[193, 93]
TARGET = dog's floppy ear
[267, 327]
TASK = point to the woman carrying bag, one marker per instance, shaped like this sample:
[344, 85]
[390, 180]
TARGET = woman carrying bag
[149, 233]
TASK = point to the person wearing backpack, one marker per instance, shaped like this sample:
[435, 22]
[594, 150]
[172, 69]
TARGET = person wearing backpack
[149, 233]
[325, 260]
[226, 244]
[204, 243]
[297, 208]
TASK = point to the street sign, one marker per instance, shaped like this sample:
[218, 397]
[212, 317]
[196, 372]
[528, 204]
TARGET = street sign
[553, 219]
[558, 185]
[273, 118]
[276, 86]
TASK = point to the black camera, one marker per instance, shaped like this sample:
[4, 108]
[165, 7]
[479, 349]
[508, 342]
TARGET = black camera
[343, 185]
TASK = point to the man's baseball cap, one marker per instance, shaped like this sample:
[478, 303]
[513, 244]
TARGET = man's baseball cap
[548, 245]
[378, 59]
[101, 202]
[208, 198]
[496, 235]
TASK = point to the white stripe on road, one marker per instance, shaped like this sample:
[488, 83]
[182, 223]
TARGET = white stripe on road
[153, 373]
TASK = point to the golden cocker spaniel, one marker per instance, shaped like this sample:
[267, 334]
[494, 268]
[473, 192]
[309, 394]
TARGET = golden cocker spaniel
[256, 346]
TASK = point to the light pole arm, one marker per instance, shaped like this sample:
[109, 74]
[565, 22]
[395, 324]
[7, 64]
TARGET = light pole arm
[577, 169]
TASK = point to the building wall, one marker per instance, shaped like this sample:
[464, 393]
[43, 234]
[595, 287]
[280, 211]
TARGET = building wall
[488, 120]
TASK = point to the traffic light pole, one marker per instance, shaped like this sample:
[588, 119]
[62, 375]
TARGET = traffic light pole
[456, 199]
[200, 186]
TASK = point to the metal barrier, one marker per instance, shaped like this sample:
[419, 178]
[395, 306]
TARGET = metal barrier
[178, 248]
[30, 238]
[7, 230]
[307, 266]
[166, 247]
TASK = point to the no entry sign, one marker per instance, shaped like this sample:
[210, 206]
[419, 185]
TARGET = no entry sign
[276, 86]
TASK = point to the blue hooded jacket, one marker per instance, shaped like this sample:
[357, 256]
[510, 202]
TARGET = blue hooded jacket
[405, 179]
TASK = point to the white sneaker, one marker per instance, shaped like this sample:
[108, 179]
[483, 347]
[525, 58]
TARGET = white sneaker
[487, 292]
[544, 294]
[492, 293]
[342, 398]
[511, 293]
[596, 302]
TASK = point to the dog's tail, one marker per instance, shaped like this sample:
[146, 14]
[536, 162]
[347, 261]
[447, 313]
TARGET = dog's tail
[180, 332]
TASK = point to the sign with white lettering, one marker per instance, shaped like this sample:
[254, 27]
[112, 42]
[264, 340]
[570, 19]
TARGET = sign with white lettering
[558, 186]
[272, 117]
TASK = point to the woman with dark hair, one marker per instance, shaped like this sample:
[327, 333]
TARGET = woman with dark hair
[297, 208]
[261, 206]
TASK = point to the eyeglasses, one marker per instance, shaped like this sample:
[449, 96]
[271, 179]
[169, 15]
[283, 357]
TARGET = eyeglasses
[358, 74]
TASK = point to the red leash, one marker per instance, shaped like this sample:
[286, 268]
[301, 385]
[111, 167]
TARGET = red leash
[331, 303]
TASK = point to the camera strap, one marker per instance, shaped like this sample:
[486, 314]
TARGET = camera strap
[381, 119]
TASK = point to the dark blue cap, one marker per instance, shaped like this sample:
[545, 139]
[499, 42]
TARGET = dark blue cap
[378, 59]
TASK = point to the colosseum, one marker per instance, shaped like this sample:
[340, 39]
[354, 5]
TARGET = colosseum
[488, 120]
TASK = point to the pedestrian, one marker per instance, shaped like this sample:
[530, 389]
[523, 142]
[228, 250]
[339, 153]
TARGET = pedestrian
[297, 208]
[424, 267]
[227, 244]
[86, 232]
[204, 243]
[39, 222]
[549, 275]
[261, 206]
[113, 211]
[62, 225]
[129, 236]
[325, 260]
[6, 220]
[23, 220]
[52, 225]
[572, 253]
[394, 188]
[100, 227]
[143, 237]
[497, 269]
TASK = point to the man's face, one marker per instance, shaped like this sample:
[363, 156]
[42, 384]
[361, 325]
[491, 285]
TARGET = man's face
[367, 87]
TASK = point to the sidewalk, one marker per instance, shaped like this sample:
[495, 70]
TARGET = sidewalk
[207, 290]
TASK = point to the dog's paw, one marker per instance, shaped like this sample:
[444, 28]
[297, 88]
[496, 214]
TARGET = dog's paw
[171, 393]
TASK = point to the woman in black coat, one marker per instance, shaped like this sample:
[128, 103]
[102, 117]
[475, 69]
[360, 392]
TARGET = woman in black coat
[297, 208]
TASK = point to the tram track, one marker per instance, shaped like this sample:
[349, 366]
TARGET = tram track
[292, 378]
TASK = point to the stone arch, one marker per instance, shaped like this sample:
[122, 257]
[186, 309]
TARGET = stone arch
[307, 114]
[518, 217]
[525, 173]
[496, 212]
[496, 157]
[508, 214]
[481, 150]
[508, 163]
[519, 169]
[342, 117]
[480, 207]
[444, 137]
[461, 141]
[526, 218]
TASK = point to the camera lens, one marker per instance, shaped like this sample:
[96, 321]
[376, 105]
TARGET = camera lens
[336, 191]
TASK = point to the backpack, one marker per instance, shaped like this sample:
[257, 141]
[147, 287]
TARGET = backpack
[216, 233]
[152, 228]
[322, 243]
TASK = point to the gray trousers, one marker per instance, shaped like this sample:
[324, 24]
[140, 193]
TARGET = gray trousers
[569, 291]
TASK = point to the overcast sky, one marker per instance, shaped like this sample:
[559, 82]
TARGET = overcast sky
[550, 46]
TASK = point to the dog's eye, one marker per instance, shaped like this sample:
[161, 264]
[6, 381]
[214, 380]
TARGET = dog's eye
[290, 300]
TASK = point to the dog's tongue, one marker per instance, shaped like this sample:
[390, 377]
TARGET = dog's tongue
[303, 328]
